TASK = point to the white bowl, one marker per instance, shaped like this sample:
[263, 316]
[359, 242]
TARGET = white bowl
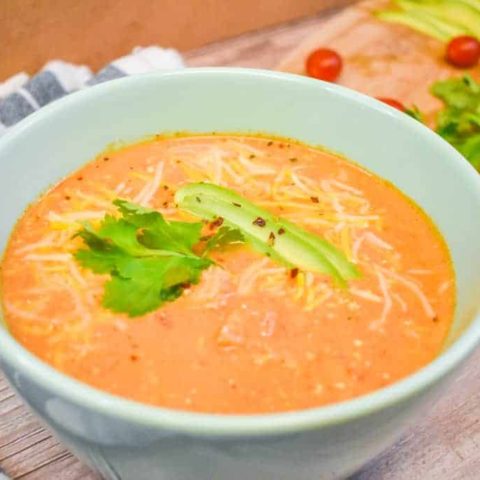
[128, 440]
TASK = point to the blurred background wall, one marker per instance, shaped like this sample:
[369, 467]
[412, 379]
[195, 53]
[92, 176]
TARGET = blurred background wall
[96, 31]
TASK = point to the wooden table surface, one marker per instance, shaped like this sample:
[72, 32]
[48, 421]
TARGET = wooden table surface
[444, 445]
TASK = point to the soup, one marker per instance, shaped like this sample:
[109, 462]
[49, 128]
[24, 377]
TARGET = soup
[256, 330]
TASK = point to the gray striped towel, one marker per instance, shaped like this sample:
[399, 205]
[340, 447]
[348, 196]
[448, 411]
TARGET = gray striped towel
[20, 95]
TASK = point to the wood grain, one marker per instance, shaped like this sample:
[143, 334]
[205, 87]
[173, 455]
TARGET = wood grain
[444, 445]
[380, 59]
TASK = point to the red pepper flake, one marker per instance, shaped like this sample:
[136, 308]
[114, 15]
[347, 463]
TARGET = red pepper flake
[165, 204]
[269, 144]
[165, 187]
[216, 223]
[282, 145]
[293, 159]
[281, 231]
[252, 156]
[79, 179]
[293, 272]
[67, 197]
[435, 318]
[106, 159]
[314, 199]
[271, 239]
[134, 358]
[260, 222]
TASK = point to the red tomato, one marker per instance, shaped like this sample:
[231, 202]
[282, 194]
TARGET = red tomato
[463, 52]
[324, 64]
[393, 103]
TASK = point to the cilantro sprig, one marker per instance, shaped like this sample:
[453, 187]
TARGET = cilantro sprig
[459, 120]
[150, 260]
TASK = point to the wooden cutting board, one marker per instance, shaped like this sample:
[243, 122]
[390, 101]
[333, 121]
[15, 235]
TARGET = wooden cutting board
[380, 59]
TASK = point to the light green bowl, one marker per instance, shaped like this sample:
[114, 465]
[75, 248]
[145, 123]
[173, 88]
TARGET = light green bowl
[128, 440]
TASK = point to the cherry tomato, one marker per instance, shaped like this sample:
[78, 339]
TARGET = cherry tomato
[463, 52]
[393, 103]
[324, 64]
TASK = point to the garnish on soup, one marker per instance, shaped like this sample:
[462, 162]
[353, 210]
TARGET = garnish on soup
[151, 261]
[295, 247]
[253, 238]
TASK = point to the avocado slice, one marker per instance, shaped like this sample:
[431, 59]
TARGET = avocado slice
[271, 235]
[452, 12]
[416, 21]
[475, 4]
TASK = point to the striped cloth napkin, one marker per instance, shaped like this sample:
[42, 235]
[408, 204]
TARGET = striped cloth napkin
[20, 95]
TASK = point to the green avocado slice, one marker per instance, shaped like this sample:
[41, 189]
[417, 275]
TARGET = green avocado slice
[420, 22]
[269, 234]
[452, 12]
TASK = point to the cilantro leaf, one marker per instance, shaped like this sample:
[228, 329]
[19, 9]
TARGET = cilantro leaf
[224, 237]
[156, 231]
[415, 113]
[122, 234]
[123, 295]
[470, 149]
[458, 93]
[101, 255]
[150, 260]
[142, 285]
[459, 122]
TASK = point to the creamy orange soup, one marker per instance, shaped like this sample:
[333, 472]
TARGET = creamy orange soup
[253, 336]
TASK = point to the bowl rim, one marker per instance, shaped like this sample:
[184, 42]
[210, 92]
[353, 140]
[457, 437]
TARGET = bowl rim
[207, 424]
